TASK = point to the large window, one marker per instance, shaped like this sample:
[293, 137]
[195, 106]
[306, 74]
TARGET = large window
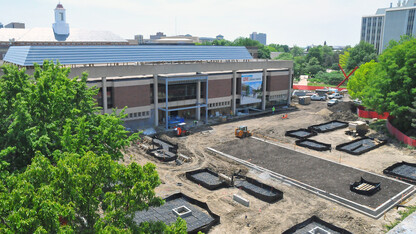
[410, 21]
[177, 92]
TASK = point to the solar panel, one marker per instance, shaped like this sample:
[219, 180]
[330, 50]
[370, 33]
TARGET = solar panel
[28, 55]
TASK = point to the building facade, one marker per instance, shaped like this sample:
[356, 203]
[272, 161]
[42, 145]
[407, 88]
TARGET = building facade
[191, 82]
[260, 37]
[389, 24]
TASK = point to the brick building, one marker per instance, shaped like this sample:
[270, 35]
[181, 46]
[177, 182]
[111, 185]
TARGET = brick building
[156, 83]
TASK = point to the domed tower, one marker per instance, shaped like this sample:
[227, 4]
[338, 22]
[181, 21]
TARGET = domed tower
[60, 27]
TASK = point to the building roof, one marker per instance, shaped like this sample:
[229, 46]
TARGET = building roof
[9, 33]
[28, 55]
[59, 6]
[47, 35]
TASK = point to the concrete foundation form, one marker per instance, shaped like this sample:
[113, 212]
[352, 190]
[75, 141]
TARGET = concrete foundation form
[315, 225]
[328, 127]
[315, 145]
[301, 133]
[360, 146]
[206, 178]
[402, 171]
[197, 214]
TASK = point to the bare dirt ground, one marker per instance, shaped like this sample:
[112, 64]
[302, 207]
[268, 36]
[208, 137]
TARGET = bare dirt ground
[297, 205]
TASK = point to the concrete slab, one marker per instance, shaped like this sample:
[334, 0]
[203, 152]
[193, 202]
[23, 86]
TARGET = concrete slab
[320, 176]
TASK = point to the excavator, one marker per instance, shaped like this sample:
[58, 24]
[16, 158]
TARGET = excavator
[242, 132]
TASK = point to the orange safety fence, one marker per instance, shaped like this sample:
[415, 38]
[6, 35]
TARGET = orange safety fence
[361, 112]
[398, 134]
[307, 87]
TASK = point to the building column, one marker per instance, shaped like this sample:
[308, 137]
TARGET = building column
[234, 93]
[289, 94]
[206, 101]
[156, 99]
[167, 103]
[263, 101]
[198, 100]
[104, 93]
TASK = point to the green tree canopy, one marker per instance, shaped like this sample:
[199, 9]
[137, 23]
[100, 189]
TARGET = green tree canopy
[360, 54]
[390, 84]
[297, 51]
[313, 67]
[58, 159]
[280, 48]
[285, 56]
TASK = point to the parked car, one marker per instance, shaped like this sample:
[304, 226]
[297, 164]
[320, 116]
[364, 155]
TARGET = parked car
[316, 97]
[333, 102]
[335, 95]
[357, 101]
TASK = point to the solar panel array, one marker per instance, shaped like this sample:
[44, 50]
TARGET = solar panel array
[29, 55]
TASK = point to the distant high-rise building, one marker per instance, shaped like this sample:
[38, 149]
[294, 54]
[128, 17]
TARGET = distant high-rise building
[15, 25]
[139, 39]
[260, 37]
[158, 35]
[389, 24]
[220, 37]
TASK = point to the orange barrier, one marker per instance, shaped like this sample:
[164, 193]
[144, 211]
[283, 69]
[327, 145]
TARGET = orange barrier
[398, 134]
[361, 112]
[307, 87]
[284, 116]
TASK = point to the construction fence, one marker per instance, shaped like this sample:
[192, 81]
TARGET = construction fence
[398, 134]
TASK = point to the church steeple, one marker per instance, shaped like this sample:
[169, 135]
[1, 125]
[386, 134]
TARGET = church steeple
[60, 27]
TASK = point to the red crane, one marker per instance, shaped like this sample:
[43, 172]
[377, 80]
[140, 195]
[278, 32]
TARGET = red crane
[345, 75]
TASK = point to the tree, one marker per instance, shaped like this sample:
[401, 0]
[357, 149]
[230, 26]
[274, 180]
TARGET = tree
[391, 83]
[285, 56]
[332, 78]
[280, 48]
[58, 158]
[313, 66]
[264, 52]
[362, 79]
[50, 112]
[360, 54]
[296, 51]
[315, 52]
[299, 66]
[343, 59]
[244, 41]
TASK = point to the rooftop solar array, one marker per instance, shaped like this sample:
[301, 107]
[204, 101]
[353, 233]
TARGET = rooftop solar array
[29, 55]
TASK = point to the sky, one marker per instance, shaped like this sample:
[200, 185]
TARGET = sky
[290, 22]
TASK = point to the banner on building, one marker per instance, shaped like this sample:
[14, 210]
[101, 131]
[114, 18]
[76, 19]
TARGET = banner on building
[251, 88]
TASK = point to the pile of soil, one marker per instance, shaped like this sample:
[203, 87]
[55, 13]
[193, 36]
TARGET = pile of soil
[345, 111]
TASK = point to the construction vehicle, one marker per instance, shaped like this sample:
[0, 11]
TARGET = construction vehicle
[242, 132]
[182, 130]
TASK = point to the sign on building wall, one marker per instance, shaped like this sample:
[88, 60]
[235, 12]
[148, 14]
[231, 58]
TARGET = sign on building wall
[251, 88]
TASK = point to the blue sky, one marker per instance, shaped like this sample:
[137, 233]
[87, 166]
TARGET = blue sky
[292, 22]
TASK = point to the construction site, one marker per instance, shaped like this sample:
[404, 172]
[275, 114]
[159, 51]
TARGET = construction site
[269, 174]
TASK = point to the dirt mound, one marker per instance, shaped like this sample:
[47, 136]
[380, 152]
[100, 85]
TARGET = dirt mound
[345, 111]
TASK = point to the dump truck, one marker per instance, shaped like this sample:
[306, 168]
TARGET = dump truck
[242, 132]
